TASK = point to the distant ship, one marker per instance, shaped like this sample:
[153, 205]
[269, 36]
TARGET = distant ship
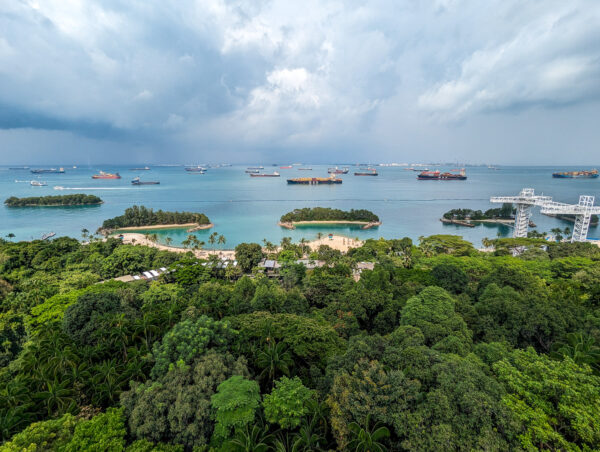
[36, 183]
[145, 168]
[137, 181]
[315, 180]
[367, 173]
[274, 174]
[49, 235]
[18, 168]
[103, 175]
[196, 169]
[48, 170]
[304, 169]
[255, 167]
[436, 175]
[252, 171]
[285, 167]
[576, 174]
[337, 170]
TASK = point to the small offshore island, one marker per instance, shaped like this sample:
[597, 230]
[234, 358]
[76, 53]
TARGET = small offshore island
[141, 217]
[326, 215]
[78, 199]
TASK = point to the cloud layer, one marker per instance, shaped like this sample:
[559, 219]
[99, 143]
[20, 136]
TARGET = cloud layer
[393, 80]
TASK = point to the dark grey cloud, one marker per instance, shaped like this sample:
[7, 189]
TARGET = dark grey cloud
[325, 80]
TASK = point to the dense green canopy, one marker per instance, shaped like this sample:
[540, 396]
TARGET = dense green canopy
[142, 216]
[328, 214]
[78, 199]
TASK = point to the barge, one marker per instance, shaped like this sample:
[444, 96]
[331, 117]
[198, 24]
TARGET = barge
[315, 180]
[437, 175]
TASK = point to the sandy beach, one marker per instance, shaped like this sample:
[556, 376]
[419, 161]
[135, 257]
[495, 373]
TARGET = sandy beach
[194, 226]
[293, 224]
[337, 242]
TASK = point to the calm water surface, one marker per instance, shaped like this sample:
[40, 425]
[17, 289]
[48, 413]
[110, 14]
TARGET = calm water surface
[246, 209]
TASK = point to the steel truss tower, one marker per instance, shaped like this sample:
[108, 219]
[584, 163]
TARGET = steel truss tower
[524, 201]
[583, 212]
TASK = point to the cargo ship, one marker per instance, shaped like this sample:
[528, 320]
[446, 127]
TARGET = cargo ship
[145, 168]
[195, 169]
[138, 181]
[255, 167]
[304, 169]
[285, 167]
[103, 175]
[576, 174]
[315, 180]
[367, 173]
[274, 174]
[337, 170]
[252, 171]
[437, 175]
[48, 170]
[18, 168]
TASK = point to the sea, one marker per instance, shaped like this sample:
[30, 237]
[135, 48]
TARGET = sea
[247, 209]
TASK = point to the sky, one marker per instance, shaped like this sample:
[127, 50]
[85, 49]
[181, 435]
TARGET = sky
[495, 81]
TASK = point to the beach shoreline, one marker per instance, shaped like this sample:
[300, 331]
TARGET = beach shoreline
[191, 227]
[364, 224]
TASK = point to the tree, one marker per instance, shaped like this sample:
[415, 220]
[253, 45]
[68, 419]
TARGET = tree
[248, 255]
[450, 277]
[581, 348]
[177, 407]
[84, 317]
[287, 403]
[189, 339]
[104, 432]
[10, 236]
[52, 434]
[234, 405]
[367, 438]
[168, 241]
[221, 240]
[557, 402]
[274, 359]
[212, 239]
[250, 439]
[84, 233]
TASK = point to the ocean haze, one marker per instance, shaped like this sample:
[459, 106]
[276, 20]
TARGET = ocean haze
[318, 81]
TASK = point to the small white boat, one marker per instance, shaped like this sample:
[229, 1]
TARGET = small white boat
[36, 183]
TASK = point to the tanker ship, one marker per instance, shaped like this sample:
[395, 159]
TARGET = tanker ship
[576, 174]
[437, 175]
[337, 170]
[274, 174]
[315, 180]
[46, 170]
[103, 175]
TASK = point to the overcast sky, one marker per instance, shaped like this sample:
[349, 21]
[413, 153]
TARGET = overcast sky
[502, 81]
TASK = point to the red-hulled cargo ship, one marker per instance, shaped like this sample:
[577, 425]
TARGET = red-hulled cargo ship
[103, 175]
[437, 175]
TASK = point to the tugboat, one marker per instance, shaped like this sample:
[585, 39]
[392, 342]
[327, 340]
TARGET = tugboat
[592, 174]
[137, 181]
[436, 175]
[36, 183]
[103, 175]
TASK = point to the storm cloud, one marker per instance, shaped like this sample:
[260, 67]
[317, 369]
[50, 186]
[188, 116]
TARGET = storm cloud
[211, 80]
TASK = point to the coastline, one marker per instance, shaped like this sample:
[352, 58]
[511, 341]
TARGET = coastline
[55, 205]
[191, 227]
[293, 224]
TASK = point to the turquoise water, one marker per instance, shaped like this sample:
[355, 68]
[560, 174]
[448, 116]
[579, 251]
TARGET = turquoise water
[247, 209]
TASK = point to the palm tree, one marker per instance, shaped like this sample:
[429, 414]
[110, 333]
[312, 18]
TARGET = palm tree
[286, 242]
[319, 235]
[212, 239]
[84, 233]
[274, 359]
[368, 439]
[581, 348]
[168, 241]
[188, 242]
[251, 439]
[221, 240]
[10, 236]
[567, 231]
[557, 233]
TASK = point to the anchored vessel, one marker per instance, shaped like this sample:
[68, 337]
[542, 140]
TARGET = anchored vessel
[315, 180]
[274, 174]
[138, 181]
[337, 170]
[103, 175]
[576, 174]
[437, 175]
[145, 168]
[366, 172]
[255, 167]
[195, 169]
[35, 183]
[48, 170]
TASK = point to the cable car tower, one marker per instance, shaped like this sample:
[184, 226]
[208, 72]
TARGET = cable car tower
[582, 211]
[524, 201]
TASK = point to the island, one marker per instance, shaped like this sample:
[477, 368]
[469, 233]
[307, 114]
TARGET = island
[141, 217]
[469, 217]
[78, 199]
[326, 215]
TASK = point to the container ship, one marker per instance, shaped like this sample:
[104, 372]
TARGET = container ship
[145, 168]
[576, 174]
[366, 173]
[437, 175]
[103, 175]
[274, 174]
[138, 181]
[48, 170]
[337, 170]
[315, 180]
[255, 167]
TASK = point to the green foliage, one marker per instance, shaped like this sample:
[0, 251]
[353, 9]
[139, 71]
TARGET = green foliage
[104, 432]
[557, 402]
[234, 405]
[189, 339]
[328, 214]
[446, 244]
[53, 434]
[142, 216]
[84, 317]
[288, 403]
[177, 407]
[450, 277]
[433, 312]
[506, 211]
[78, 199]
[248, 255]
